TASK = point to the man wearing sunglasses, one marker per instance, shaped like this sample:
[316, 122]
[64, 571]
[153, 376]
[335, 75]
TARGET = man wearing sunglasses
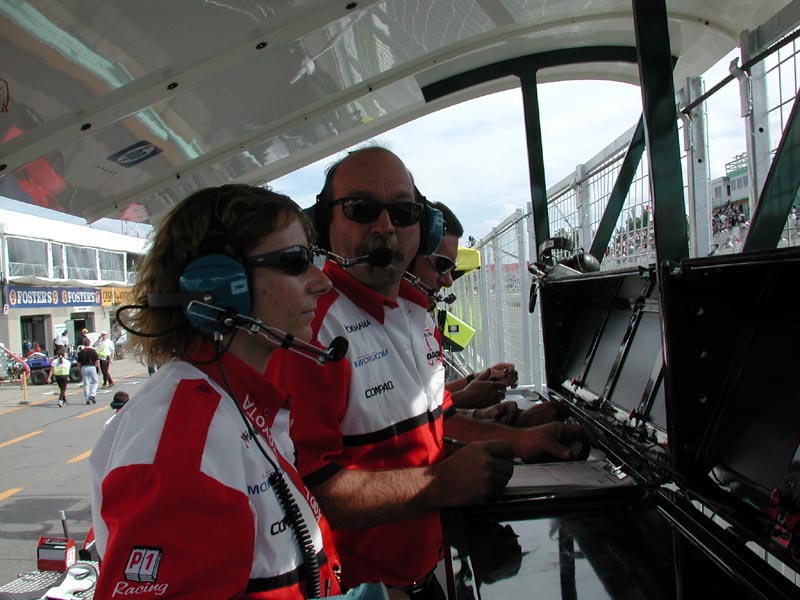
[478, 395]
[371, 447]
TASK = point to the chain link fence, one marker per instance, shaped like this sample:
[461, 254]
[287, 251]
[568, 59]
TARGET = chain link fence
[495, 299]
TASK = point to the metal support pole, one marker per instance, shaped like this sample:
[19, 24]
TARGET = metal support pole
[486, 321]
[697, 169]
[780, 190]
[523, 308]
[756, 120]
[538, 375]
[622, 186]
[661, 130]
[499, 295]
[533, 132]
[583, 197]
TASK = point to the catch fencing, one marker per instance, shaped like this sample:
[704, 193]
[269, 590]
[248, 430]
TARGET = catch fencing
[495, 298]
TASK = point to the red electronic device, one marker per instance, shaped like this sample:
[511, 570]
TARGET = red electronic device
[55, 554]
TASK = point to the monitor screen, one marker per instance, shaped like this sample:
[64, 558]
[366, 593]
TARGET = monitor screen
[757, 434]
[578, 356]
[638, 366]
[607, 350]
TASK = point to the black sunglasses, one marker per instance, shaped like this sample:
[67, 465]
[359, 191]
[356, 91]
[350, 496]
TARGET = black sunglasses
[366, 210]
[294, 259]
[442, 264]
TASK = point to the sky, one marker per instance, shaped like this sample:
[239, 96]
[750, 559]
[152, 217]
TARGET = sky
[473, 157]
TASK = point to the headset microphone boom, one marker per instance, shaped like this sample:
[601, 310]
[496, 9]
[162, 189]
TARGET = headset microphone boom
[380, 257]
[231, 320]
[215, 295]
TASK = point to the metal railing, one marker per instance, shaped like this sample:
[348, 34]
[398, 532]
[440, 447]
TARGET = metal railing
[494, 299]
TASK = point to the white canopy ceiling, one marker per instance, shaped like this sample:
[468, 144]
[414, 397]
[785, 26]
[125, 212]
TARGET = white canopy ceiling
[120, 109]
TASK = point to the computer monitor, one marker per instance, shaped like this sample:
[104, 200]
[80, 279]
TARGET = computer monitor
[757, 434]
[608, 349]
[637, 368]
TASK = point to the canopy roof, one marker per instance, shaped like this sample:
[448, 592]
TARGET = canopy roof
[121, 109]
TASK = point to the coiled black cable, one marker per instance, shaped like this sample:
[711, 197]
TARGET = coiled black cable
[298, 525]
[283, 493]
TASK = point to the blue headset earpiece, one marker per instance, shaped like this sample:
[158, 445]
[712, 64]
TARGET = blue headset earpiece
[224, 279]
[432, 230]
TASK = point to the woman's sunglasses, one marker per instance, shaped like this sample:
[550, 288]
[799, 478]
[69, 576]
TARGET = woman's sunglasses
[294, 259]
[366, 210]
[442, 264]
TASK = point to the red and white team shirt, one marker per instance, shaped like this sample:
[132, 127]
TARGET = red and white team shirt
[379, 408]
[181, 502]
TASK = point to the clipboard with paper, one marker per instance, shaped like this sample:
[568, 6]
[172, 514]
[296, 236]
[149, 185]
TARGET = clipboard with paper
[546, 478]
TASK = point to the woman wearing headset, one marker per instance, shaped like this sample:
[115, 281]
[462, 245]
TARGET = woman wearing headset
[191, 498]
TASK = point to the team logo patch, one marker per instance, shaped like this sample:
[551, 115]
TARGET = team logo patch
[352, 328]
[143, 564]
[432, 355]
[379, 389]
[370, 357]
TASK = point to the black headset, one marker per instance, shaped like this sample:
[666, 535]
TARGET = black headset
[431, 223]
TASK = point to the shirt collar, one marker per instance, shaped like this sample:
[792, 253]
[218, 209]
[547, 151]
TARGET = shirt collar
[242, 379]
[367, 299]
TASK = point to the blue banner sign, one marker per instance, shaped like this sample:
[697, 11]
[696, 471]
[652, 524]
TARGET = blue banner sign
[20, 296]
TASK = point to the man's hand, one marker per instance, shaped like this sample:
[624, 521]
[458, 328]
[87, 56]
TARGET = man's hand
[474, 474]
[561, 441]
[544, 412]
[504, 373]
[480, 392]
[503, 412]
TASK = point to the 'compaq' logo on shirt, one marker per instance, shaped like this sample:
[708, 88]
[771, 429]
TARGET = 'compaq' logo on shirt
[357, 326]
[379, 389]
[278, 527]
[371, 357]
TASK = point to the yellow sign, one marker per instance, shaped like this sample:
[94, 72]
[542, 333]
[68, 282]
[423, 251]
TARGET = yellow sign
[116, 296]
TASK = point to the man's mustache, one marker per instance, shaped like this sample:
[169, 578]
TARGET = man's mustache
[381, 243]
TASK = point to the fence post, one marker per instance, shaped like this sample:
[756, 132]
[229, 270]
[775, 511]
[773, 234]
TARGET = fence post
[486, 321]
[583, 198]
[697, 169]
[527, 366]
[499, 295]
[755, 111]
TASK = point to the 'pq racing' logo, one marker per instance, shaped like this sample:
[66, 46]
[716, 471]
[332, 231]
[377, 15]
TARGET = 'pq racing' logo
[142, 567]
[143, 564]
